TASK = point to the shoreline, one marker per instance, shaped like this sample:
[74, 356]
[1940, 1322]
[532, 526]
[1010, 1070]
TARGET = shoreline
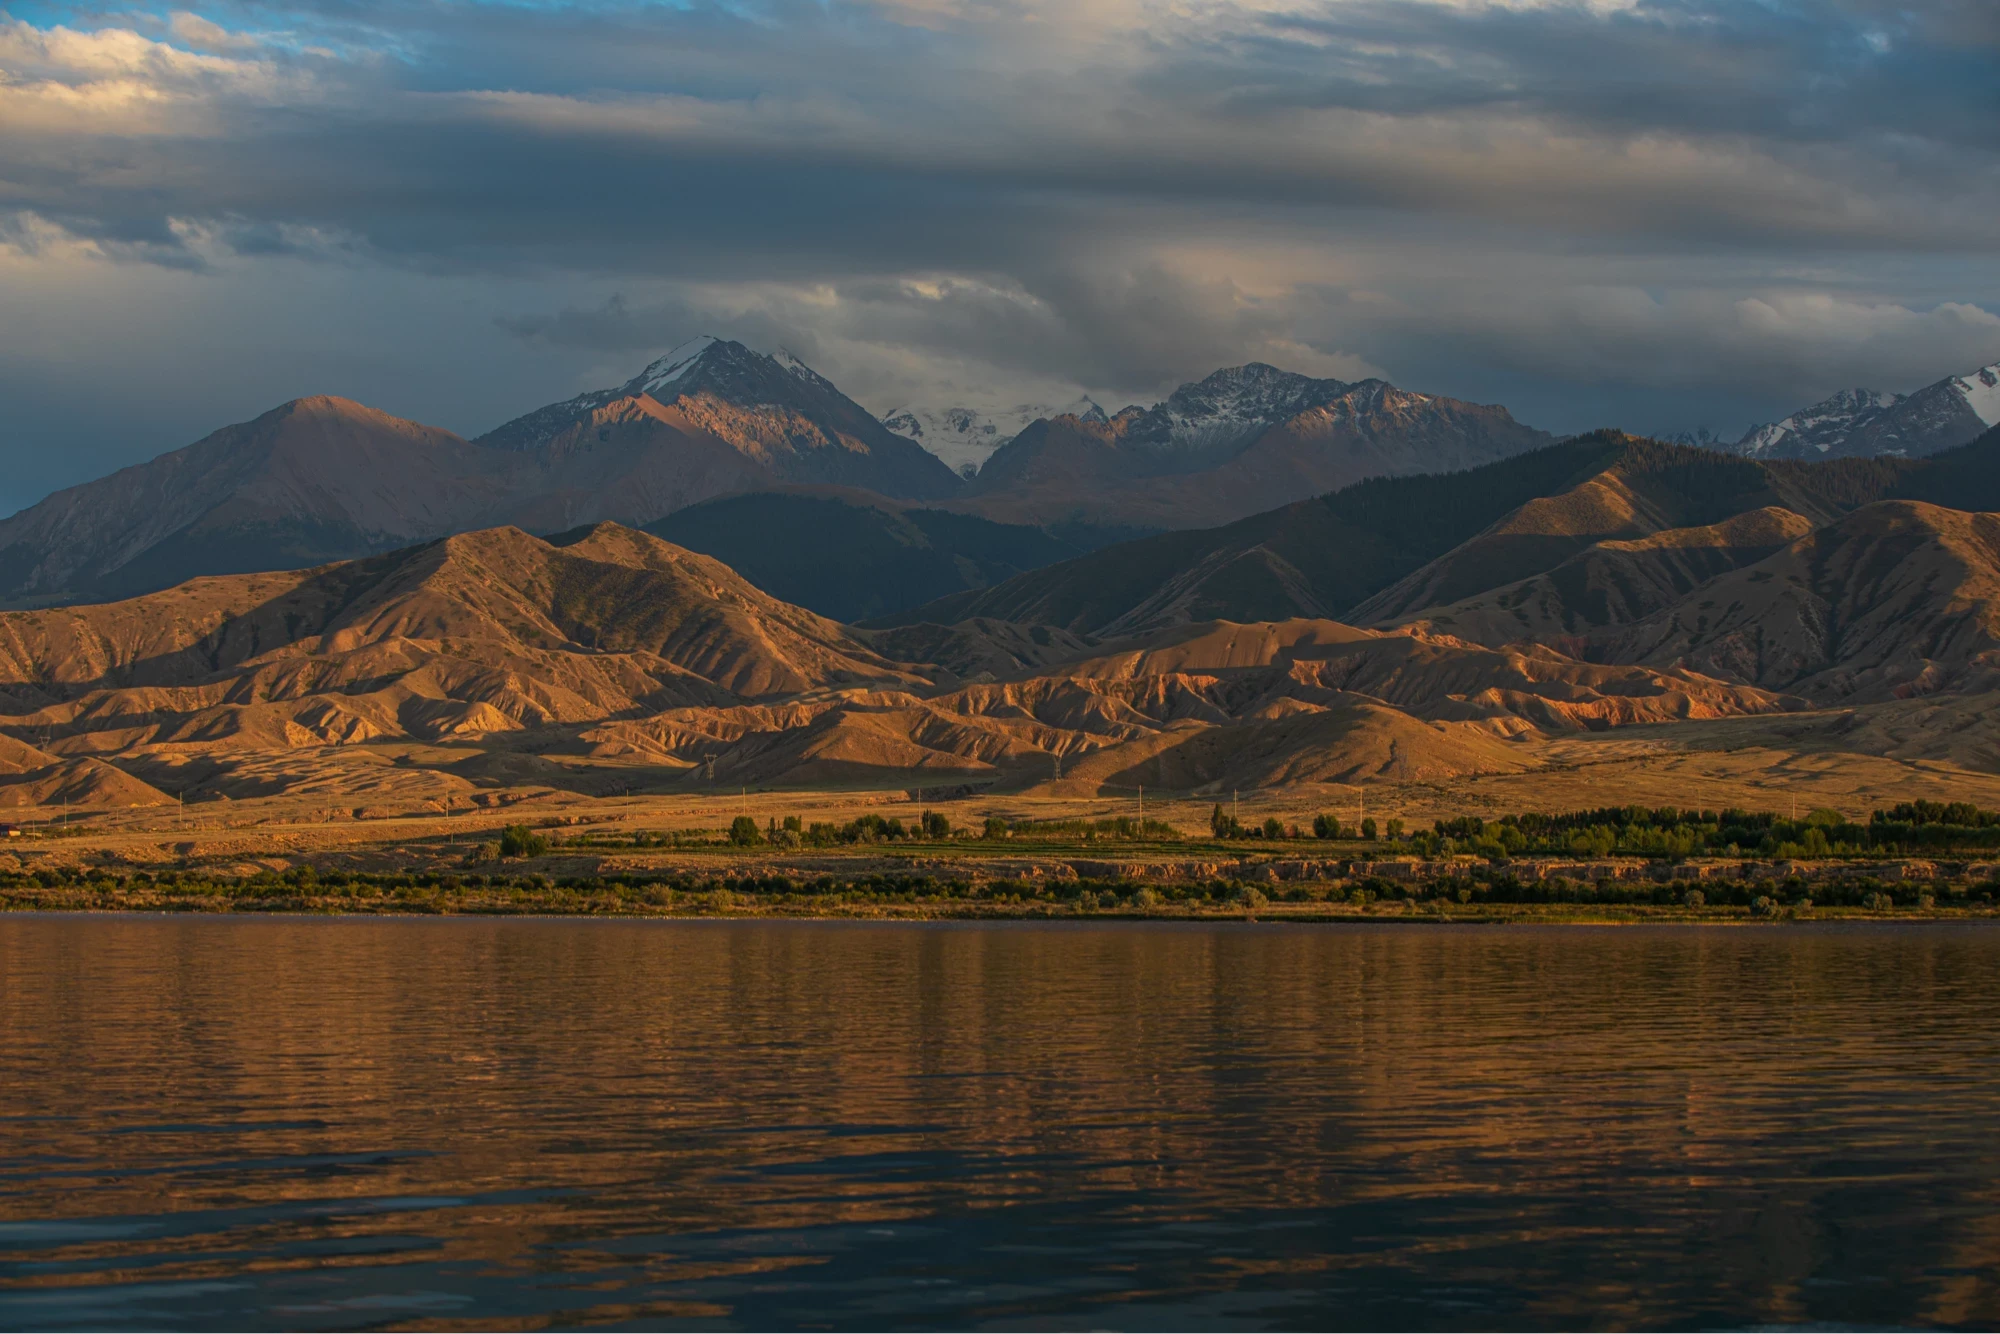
[555, 904]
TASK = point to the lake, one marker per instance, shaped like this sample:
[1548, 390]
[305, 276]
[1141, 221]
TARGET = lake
[444, 1123]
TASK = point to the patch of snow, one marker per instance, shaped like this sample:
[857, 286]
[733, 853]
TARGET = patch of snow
[1230, 409]
[674, 365]
[1982, 393]
[965, 437]
[1823, 427]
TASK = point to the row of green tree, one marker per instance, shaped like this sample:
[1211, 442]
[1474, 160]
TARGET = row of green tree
[1223, 824]
[1673, 832]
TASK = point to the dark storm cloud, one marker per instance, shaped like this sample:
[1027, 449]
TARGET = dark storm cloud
[816, 135]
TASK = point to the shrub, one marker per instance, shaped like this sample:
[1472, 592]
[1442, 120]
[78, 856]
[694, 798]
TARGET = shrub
[996, 828]
[1694, 898]
[1251, 897]
[1326, 826]
[936, 825]
[517, 840]
[743, 832]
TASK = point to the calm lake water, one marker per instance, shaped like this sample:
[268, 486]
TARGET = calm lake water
[312, 1124]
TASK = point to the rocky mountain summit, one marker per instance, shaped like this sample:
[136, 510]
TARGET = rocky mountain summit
[1864, 423]
[1239, 442]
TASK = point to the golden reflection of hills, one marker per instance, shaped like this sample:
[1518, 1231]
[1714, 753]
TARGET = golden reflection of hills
[1722, 1091]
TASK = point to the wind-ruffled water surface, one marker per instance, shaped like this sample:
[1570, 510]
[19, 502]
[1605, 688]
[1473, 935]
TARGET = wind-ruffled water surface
[301, 1123]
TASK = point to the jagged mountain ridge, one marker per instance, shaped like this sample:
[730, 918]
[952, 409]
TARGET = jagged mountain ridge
[855, 556]
[1862, 423]
[324, 478]
[1242, 441]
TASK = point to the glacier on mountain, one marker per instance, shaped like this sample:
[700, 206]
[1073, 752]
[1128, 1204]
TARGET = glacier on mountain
[966, 436]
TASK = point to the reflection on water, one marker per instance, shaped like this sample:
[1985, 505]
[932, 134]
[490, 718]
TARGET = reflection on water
[326, 1124]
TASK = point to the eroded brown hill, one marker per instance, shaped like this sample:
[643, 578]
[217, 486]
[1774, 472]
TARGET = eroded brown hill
[1615, 582]
[494, 661]
[1895, 600]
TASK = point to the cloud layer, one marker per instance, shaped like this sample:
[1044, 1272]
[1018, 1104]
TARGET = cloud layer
[1662, 213]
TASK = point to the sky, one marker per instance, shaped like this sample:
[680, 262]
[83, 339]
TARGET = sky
[1664, 215]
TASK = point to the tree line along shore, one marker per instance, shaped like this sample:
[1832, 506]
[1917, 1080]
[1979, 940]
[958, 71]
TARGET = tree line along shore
[1917, 859]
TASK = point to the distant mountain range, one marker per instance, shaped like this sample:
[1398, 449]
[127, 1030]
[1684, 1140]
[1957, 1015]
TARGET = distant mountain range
[1408, 629]
[1574, 547]
[1405, 629]
[1236, 443]
[1864, 423]
[323, 479]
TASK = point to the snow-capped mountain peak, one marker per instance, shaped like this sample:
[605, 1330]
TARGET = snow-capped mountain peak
[790, 363]
[677, 363]
[1820, 428]
[1228, 409]
[1981, 391]
[1862, 423]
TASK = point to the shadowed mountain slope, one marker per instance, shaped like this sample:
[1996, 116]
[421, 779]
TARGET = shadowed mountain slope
[1390, 549]
[854, 556]
[1650, 488]
[316, 479]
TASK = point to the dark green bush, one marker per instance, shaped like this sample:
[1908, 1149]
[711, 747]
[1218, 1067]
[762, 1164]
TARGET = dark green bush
[517, 840]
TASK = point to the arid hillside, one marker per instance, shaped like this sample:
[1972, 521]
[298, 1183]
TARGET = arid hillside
[1593, 603]
[607, 659]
